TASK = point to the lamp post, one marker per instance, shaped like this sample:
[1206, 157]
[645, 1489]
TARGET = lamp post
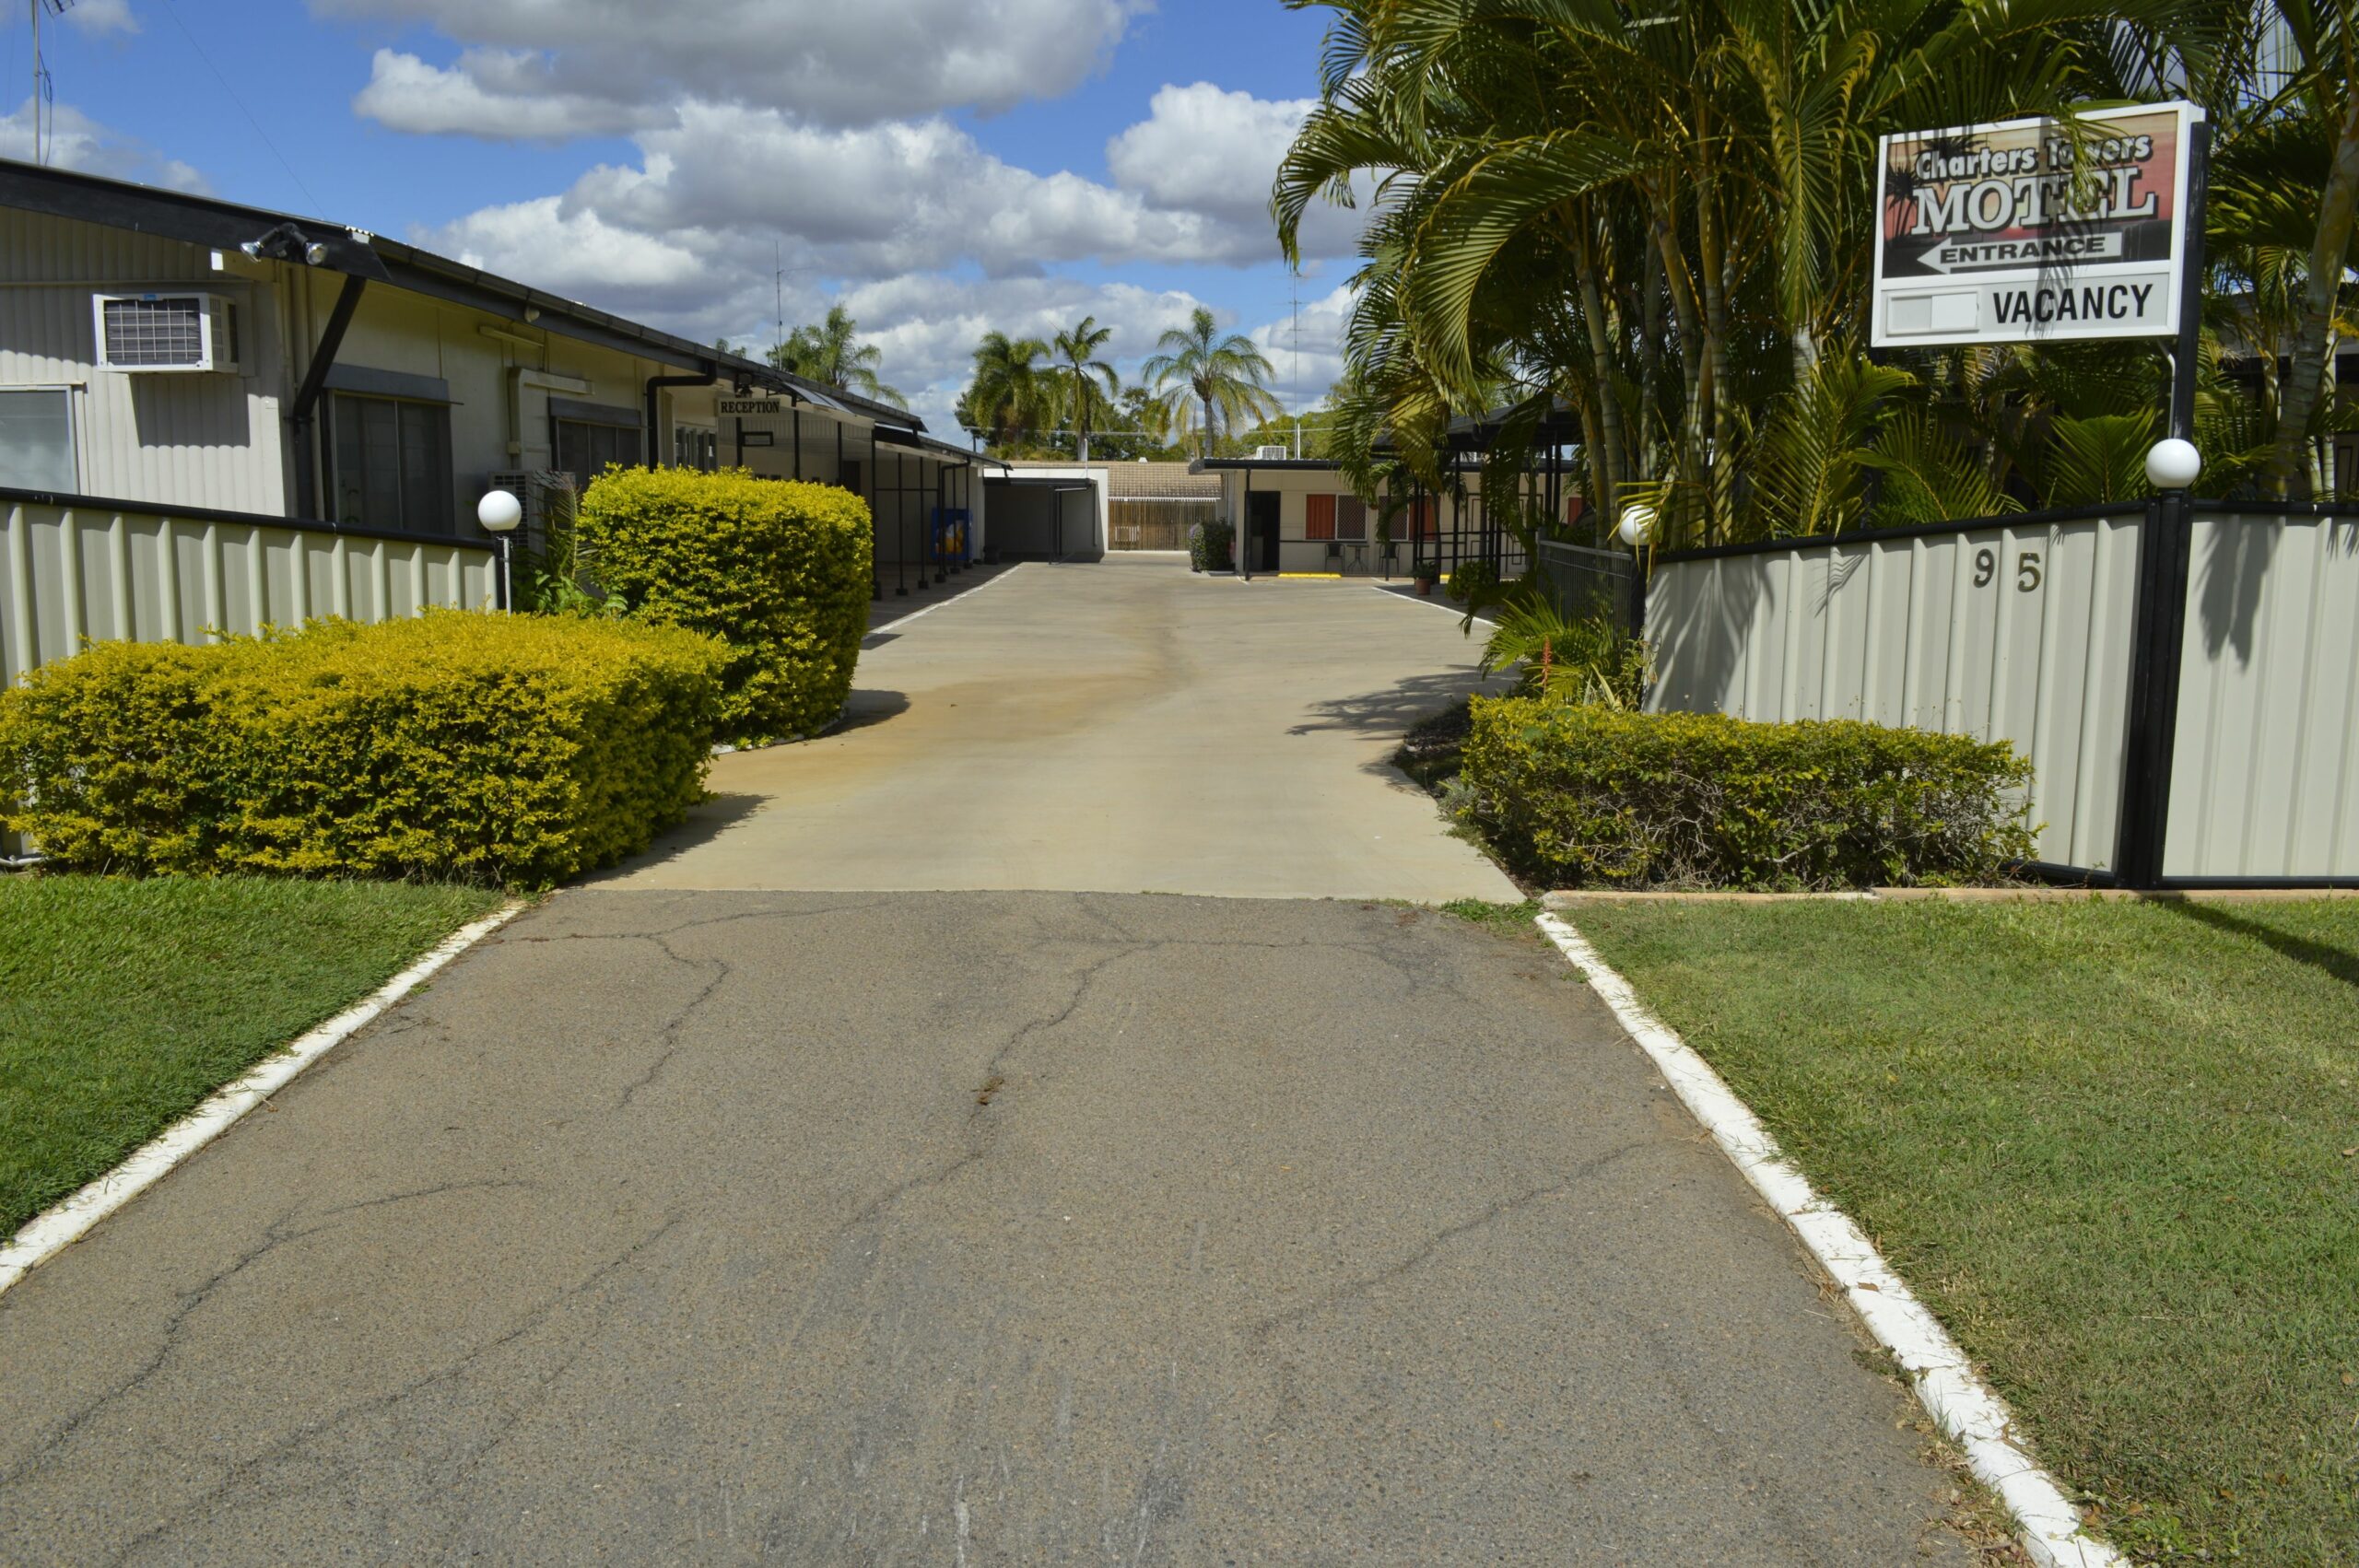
[499, 511]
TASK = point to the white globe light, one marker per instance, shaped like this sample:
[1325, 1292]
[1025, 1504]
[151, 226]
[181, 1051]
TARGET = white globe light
[2173, 464]
[499, 511]
[1636, 523]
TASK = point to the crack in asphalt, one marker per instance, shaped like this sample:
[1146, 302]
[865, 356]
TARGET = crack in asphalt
[242, 1472]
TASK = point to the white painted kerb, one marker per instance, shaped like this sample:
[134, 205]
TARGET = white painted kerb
[48, 1234]
[1973, 1416]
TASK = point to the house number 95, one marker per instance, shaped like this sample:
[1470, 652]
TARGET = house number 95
[1986, 567]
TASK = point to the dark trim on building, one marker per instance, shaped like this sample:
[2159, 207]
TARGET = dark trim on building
[309, 460]
[583, 412]
[248, 520]
[363, 381]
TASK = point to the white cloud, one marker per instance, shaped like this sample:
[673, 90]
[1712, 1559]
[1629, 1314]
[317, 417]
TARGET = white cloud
[623, 62]
[489, 100]
[78, 142]
[1217, 153]
[103, 17]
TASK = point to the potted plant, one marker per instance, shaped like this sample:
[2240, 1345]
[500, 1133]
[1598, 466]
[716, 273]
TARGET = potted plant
[1428, 578]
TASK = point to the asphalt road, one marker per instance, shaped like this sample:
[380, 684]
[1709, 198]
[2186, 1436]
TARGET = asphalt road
[961, 1229]
[708, 1215]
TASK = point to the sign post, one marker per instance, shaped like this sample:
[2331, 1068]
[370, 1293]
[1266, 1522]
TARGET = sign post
[2020, 232]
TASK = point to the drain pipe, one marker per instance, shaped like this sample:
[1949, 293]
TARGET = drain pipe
[655, 385]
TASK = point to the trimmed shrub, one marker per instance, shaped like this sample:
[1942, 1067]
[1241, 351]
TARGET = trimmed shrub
[517, 750]
[1574, 795]
[1211, 546]
[779, 571]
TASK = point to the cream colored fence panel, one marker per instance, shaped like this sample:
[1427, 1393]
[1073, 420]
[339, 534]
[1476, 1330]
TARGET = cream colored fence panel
[71, 574]
[2016, 630]
[2265, 778]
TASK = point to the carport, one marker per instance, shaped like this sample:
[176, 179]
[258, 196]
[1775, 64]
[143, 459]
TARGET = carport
[1039, 517]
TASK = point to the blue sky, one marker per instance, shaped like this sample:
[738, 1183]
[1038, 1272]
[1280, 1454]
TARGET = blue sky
[943, 166]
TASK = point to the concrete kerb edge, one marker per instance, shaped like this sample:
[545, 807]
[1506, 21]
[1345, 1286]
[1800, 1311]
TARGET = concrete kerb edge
[52, 1232]
[1945, 1382]
[945, 603]
[1417, 599]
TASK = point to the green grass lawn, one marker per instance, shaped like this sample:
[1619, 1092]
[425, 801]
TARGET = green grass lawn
[123, 1004]
[2115, 1148]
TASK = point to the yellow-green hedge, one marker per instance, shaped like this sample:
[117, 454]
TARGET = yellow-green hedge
[518, 749]
[779, 570]
[1576, 795]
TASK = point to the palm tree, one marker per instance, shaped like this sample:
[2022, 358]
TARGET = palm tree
[1196, 368]
[1657, 216]
[1086, 385]
[1011, 393]
[831, 352]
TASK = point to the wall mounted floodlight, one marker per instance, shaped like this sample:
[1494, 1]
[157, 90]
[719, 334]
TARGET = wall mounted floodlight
[286, 243]
[2173, 464]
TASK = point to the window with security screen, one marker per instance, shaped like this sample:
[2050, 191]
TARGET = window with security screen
[393, 464]
[1351, 518]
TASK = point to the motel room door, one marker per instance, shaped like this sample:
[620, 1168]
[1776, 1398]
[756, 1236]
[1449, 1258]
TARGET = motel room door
[1262, 525]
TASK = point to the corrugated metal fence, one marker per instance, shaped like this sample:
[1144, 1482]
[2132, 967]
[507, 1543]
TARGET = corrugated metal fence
[75, 569]
[2028, 629]
[78, 569]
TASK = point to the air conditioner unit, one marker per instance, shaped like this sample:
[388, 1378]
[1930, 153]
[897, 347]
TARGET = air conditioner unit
[1268, 454]
[548, 499]
[152, 333]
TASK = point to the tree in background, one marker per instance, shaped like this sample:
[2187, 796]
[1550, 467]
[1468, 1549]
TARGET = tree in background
[831, 352]
[1012, 394]
[1205, 380]
[1086, 385]
[1661, 221]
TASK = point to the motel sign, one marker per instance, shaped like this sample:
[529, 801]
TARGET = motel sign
[2025, 231]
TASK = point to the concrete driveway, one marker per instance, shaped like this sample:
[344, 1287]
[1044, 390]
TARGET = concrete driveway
[984, 1227]
[1117, 727]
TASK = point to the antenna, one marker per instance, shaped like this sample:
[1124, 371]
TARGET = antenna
[44, 90]
[1296, 375]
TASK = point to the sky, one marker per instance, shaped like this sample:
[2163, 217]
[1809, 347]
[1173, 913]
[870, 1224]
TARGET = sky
[943, 168]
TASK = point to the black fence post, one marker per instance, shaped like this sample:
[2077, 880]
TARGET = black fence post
[2157, 645]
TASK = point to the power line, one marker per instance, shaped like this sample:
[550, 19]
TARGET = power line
[172, 10]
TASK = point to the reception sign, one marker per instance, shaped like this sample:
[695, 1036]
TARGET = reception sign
[2029, 231]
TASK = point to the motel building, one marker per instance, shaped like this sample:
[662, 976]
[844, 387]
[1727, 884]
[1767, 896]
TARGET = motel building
[1299, 517]
[214, 416]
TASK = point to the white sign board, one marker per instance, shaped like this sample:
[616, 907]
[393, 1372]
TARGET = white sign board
[2029, 232]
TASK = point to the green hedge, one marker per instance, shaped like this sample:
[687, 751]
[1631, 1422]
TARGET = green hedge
[1211, 547]
[518, 749]
[1574, 795]
[779, 571]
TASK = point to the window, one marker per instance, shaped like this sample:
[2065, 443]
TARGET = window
[393, 464]
[36, 440]
[692, 448]
[588, 436]
[1333, 516]
[1318, 517]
